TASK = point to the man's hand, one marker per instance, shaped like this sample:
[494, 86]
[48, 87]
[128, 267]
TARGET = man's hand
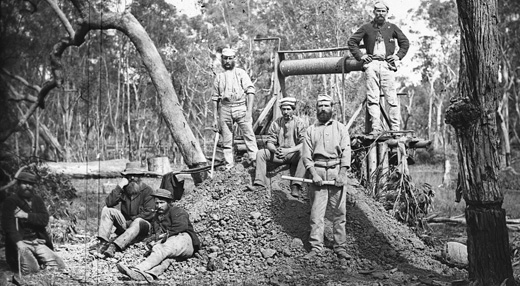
[22, 246]
[123, 183]
[392, 58]
[366, 58]
[19, 213]
[281, 153]
[342, 177]
[317, 180]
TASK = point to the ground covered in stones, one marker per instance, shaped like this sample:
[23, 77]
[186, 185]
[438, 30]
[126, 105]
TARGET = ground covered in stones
[260, 238]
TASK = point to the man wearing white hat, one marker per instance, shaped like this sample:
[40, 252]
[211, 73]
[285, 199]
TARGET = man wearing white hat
[283, 147]
[133, 220]
[233, 97]
[326, 156]
[380, 37]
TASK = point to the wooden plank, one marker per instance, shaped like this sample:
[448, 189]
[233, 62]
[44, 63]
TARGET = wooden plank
[265, 112]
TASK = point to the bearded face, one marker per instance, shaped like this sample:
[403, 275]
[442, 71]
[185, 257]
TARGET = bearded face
[324, 111]
[380, 15]
[133, 186]
[25, 191]
[228, 63]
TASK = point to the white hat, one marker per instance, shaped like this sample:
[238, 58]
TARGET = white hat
[291, 101]
[324, 97]
[227, 52]
[380, 5]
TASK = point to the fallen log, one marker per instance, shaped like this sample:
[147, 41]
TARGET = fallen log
[512, 224]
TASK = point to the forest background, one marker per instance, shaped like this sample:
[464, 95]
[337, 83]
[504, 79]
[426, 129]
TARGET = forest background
[108, 107]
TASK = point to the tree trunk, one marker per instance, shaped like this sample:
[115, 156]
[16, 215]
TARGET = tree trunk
[473, 115]
[170, 108]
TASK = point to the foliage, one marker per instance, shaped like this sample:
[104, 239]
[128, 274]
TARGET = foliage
[406, 201]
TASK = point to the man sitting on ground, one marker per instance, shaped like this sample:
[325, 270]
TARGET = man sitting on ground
[173, 237]
[24, 219]
[283, 147]
[132, 222]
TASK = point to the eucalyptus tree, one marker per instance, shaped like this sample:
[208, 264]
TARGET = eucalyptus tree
[472, 113]
[78, 26]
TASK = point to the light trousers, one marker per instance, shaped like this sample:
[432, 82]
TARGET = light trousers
[178, 246]
[111, 217]
[36, 254]
[380, 78]
[229, 115]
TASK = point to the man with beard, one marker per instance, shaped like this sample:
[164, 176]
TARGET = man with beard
[379, 37]
[326, 156]
[132, 221]
[172, 236]
[283, 147]
[233, 102]
[24, 218]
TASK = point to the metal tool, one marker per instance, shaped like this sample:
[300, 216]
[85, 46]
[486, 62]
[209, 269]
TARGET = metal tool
[330, 183]
[213, 156]
[18, 252]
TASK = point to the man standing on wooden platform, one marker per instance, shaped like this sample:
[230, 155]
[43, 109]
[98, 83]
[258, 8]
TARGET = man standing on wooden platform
[132, 222]
[379, 37]
[233, 97]
[326, 156]
[283, 147]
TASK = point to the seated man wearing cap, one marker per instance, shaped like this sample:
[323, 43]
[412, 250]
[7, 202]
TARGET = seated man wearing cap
[283, 146]
[233, 97]
[132, 222]
[326, 156]
[172, 235]
[380, 37]
[24, 219]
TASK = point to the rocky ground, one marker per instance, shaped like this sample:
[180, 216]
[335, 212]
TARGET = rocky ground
[260, 239]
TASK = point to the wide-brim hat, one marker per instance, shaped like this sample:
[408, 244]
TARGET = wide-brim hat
[134, 168]
[26, 177]
[163, 194]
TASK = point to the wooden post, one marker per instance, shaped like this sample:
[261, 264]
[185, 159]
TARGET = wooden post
[382, 148]
[372, 163]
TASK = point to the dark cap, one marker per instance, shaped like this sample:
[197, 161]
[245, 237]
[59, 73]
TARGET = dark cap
[163, 194]
[26, 177]
[133, 168]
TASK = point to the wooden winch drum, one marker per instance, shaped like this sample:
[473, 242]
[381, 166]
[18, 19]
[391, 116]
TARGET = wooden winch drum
[160, 165]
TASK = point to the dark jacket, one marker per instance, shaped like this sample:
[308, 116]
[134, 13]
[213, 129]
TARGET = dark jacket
[28, 229]
[368, 33]
[140, 205]
[174, 221]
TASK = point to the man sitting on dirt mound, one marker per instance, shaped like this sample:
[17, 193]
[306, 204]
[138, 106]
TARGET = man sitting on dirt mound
[172, 236]
[326, 155]
[283, 147]
[132, 222]
[24, 219]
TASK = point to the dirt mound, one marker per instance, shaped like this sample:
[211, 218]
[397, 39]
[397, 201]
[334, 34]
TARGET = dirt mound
[258, 238]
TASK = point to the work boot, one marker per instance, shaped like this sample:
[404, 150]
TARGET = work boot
[134, 273]
[342, 254]
[111, 250]
[99, 247]
[255, 188]
[295, 191]
[312, 254]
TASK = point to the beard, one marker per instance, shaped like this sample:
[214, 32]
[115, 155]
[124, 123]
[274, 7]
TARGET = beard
[324, 116]
[133, 187]
[25, 193]
[380, 19]
[229, 66]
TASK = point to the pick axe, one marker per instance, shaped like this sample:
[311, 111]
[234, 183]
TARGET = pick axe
[214, 152]
[331, 183]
